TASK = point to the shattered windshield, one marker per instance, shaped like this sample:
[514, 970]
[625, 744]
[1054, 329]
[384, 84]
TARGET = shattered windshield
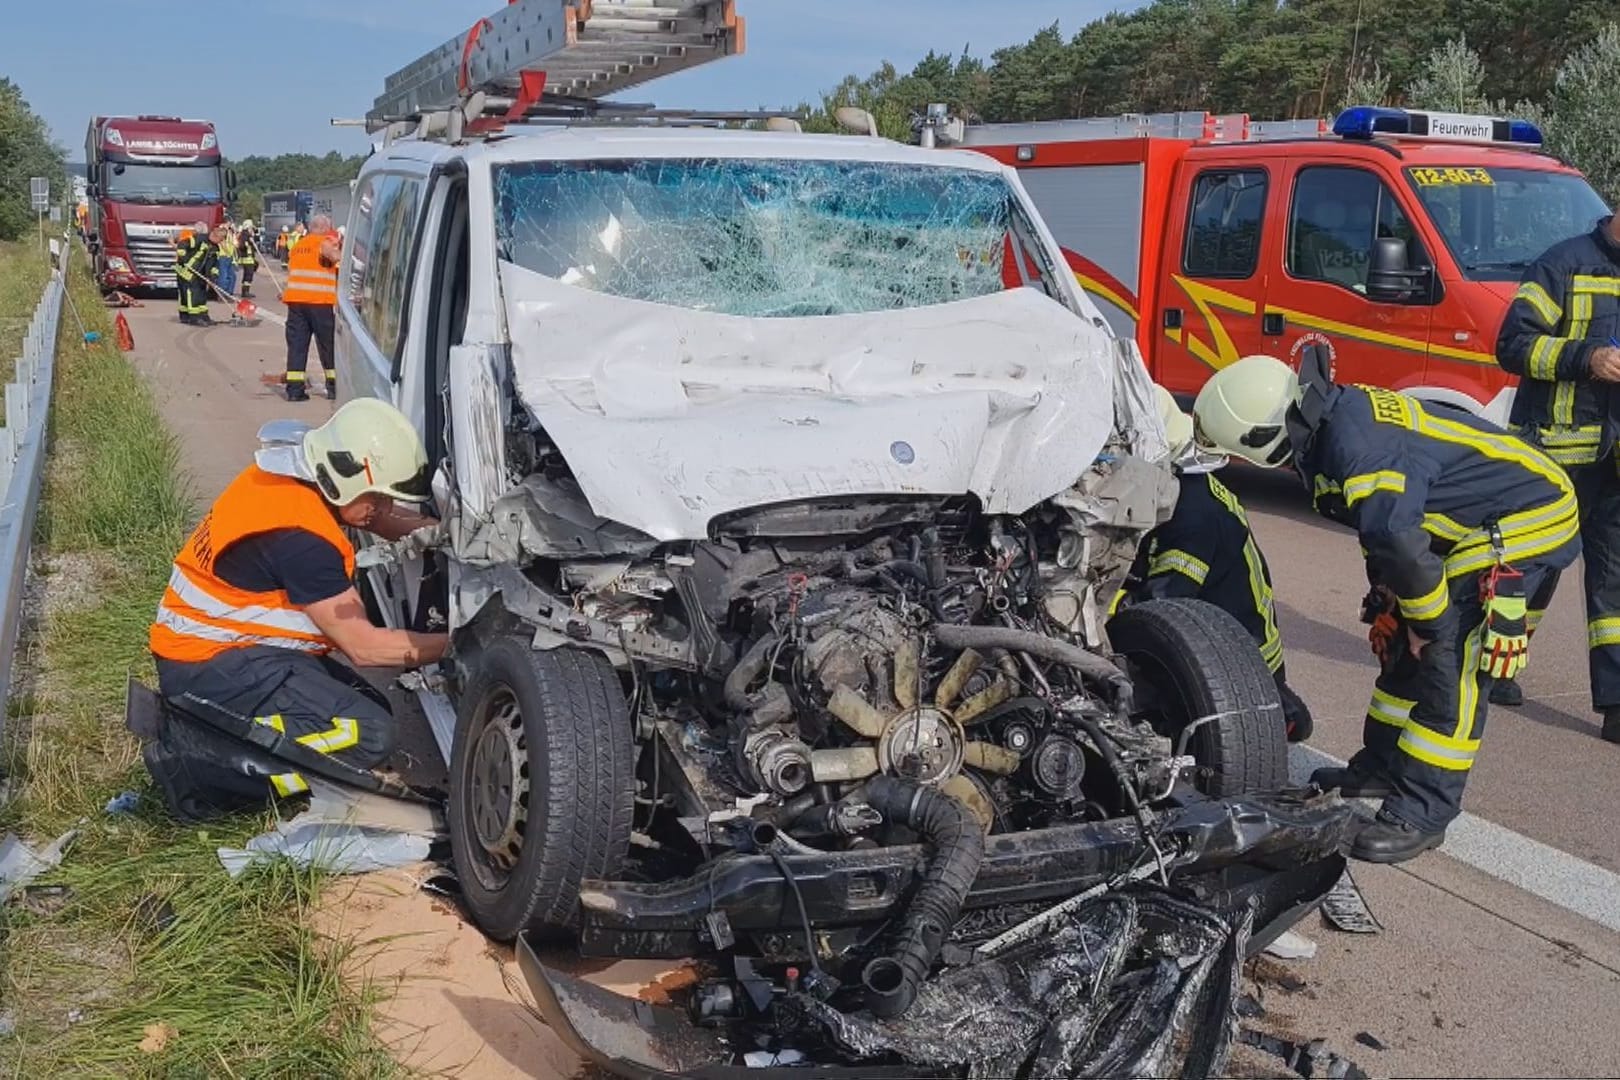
[1496, 221]
[763, 237]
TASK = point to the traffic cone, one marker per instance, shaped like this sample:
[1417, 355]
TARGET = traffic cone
[126, 340]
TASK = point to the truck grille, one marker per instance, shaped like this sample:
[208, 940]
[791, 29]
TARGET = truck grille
[151, 249]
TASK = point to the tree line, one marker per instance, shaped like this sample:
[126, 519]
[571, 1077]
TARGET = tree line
[258, 174]
[26, 151]
[1554, 61]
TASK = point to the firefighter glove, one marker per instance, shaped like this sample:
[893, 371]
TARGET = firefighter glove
[1505, 635]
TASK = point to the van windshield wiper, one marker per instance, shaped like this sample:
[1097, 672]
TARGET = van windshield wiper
[1505, 264]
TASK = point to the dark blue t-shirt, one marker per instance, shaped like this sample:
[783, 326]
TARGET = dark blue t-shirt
[307, 567]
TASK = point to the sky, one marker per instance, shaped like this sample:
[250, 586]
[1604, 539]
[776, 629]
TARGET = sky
[271, 75]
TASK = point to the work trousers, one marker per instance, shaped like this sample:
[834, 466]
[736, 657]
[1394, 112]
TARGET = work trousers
[315, 700]
[1597, 490]
[248, 270]
[306, 321]
[1427, 716]
[193, 297]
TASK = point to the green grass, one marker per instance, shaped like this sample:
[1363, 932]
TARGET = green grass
[23, 271]
[150, 930]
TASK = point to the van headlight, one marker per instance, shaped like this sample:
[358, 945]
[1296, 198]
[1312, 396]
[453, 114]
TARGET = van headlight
[117, 264]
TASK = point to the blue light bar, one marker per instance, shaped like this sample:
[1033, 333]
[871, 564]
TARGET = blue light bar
[1367, 121]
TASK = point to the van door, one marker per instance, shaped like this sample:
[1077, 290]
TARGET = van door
[375, 278]
[1212, 277]
[1341, 219]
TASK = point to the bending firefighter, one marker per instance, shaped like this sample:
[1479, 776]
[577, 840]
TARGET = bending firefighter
[194, 263]
[1560, 338]
[261, 595]
[1206, 552]
[1459, 521]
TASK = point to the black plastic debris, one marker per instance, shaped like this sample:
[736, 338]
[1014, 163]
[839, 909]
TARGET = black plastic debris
[1138, 983]
[1371, 1041]
[1345, 908]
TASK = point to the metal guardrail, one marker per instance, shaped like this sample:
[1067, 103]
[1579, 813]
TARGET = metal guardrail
[22, 458]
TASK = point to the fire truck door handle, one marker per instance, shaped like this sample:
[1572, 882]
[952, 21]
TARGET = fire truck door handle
[1172, 318]
[1271, 323]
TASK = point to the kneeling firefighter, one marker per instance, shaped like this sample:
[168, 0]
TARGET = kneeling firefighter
[262, 593]
[1207, 552]
[1459, 521]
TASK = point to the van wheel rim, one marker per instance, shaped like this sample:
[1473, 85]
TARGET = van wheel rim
[499, 795]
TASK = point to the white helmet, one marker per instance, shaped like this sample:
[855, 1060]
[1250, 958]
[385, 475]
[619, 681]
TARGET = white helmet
[1243, 410]
[367, 446]
[1178, 426]
[247, 223]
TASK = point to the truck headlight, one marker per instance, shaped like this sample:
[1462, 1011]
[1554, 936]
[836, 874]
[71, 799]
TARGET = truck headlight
[117, 264]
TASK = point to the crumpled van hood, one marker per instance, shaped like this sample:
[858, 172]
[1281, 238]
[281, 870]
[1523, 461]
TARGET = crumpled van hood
[671, 417]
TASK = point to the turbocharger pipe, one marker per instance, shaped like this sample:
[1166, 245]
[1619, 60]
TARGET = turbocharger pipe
[956, 838]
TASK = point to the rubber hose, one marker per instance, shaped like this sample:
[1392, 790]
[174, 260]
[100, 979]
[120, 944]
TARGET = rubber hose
[1088, 664]
[747, 669]
[948, 827]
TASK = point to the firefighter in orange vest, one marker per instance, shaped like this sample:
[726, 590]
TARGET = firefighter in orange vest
[311, 293]
[262, 593]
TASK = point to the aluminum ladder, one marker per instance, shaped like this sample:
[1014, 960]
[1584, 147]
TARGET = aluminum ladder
[565, 49]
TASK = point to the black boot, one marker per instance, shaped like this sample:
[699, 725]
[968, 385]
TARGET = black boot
[331, 388]
[1353, 782]
[296, 391]
[1507, 692]
[1611, 725]
[1297, 723]
[1388, 839]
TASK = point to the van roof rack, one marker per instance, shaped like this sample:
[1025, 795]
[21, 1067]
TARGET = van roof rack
[543, 58]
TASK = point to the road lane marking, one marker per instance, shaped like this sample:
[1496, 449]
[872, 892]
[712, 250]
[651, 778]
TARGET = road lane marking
[1539, 869]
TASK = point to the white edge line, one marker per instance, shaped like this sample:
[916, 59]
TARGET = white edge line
[1556, 876]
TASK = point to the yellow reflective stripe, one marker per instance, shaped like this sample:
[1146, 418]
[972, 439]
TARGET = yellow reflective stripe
[1603, 631]
[296, 376]
[1524, 535]
[288, 783]
[1467, 698]
[344, 733]
[1593, 284]
[1572, 436]
[1573, 455]
[1259, 591]
[1444, 527]
[1386, 708]
[1360, 487]
[1113, 608]
[1532, 619]
[1177, 561]
[1498, 447]
[272, 721]
[1533, 294]
[1456, 755]
[1428, 606]
[1544, 356]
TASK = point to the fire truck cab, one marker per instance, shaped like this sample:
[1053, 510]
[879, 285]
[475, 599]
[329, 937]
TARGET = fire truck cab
[1396, 237]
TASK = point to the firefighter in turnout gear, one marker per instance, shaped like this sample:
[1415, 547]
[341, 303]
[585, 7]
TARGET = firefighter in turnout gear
[1459, 521]
[247, 256]
[1207, 552]
[193, 266]
[262, 593]
[311, 296]
[1562, 338]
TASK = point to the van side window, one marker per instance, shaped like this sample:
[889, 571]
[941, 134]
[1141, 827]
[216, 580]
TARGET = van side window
[1337, 215]
[380, 254]
[1223, 231]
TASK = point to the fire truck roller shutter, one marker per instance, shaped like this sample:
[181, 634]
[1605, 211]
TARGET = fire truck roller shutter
[1103, 227]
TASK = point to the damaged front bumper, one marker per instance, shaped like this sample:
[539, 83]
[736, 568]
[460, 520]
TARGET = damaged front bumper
[1237, 847]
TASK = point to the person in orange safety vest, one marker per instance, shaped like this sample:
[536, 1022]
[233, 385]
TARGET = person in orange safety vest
[261, 596]
[311, 293]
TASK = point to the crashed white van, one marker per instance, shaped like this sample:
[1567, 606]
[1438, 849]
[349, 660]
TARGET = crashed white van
[785, 481]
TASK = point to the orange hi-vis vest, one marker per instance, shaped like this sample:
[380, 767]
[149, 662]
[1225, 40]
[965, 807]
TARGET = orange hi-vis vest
[201, 616]
[308, 282]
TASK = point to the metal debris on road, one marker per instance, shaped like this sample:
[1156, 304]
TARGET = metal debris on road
[1312, 1060]
[1291, 945]
[21, 864]
[1345, 908]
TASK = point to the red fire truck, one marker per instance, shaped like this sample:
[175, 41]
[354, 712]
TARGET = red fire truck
[149, 177]
[1397, 237]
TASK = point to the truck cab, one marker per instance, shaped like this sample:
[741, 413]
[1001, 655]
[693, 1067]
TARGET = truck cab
[1395, 239]
[148, 178]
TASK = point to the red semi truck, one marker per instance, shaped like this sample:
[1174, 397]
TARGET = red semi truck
[149, 177]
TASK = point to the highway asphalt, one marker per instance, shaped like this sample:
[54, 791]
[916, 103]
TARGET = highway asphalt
[1500, 955]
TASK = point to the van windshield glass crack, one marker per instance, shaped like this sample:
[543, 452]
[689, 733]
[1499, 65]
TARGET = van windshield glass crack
[761, 237]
